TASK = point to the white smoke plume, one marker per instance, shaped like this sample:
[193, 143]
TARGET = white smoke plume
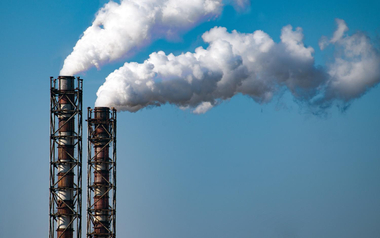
[250, 64]
[121, 28]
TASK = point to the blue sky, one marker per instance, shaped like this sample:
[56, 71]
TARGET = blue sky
[240, 170]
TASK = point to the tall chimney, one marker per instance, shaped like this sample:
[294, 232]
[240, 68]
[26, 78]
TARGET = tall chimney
[101, 173]
[65, 157]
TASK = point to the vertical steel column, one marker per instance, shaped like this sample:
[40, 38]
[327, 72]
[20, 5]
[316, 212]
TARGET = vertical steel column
[65, 203]
[101, 173]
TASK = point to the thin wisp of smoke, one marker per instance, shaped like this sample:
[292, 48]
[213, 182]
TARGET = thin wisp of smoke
[249, 64]
[119, 29]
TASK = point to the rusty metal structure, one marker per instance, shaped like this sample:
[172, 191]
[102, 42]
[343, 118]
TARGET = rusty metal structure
[101, 173]
[65, 202]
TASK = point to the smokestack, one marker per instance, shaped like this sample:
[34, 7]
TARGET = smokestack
[101, 173]
[65, 157]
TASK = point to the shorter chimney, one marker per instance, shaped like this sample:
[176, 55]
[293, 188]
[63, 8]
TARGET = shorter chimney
[101, 173]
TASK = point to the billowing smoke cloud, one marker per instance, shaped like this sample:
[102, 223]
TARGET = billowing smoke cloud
[356, 67]
[121, 29]
[249, 64]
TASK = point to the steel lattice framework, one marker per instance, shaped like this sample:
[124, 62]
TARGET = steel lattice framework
[101, 173]
[65, 202]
